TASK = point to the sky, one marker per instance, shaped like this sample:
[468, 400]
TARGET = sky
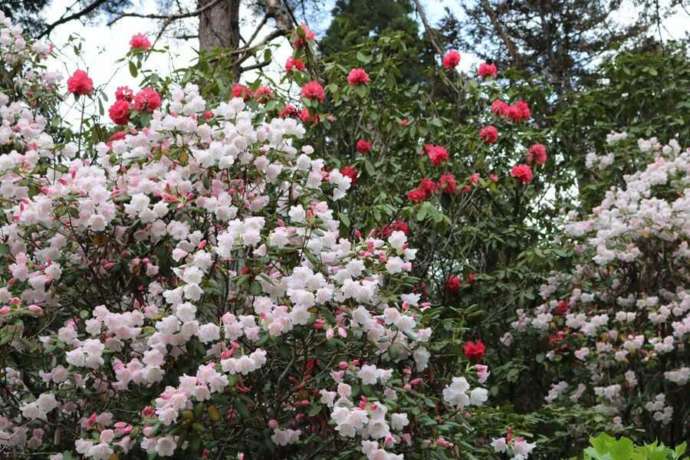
[102, 46]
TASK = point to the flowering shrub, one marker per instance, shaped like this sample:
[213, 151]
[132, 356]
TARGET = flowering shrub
[184, 289]
[616, 328]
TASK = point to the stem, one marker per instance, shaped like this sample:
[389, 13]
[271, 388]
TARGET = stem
[81, 124]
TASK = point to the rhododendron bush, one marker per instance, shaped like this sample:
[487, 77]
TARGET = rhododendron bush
[183, 289]
[615, 329]
[343, 265]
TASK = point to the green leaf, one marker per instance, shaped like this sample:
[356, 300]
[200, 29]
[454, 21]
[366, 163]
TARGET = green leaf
[363, 58]
[133, 69]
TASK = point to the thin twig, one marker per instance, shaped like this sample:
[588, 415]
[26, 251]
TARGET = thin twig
[64, 19]
[170, 17]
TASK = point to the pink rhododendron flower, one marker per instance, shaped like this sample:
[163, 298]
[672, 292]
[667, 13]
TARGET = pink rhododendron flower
[488, 134]
[357, 76]
[314, 91]
[140, 42]
[294, 63]
[487, 70]
[119, 112]
[147, 100]
[436, 154]
[522, 173]
[537, 154]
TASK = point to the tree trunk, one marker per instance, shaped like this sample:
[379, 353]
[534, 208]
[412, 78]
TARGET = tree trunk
[219, 28]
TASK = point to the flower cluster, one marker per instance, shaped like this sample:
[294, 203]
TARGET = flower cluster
[190, 271]
[618, 326]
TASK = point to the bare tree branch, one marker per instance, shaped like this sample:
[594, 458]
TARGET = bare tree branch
[496, 23]
[258, 65]
[429, 30]
[64, 19]
[169, 17]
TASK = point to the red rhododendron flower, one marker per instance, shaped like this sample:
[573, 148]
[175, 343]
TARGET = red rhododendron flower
[447, 183]
[474, 178]
[289, 111]
[428, 185]
[294, 64]
[307, 117]
[488, 134]
[314, 91]
[500, 108]
[124, 93]
[474, 350]
[396, 225]
[357, 76]
[303, 35]
[523, 173]
[487, 70]
[417, 195]
[140, 42]
[537, 154]
[263, 94]
[119, 112]
[117, 136]
[436, 153]
[453, 284]
[451, 59]
[242, 91]
[519, 111]
[363, 146]
[351, 172]
[80, 83]
[562, 308]
[147, 100]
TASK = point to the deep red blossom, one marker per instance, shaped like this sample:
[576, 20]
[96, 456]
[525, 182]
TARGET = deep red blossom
[447, 183]
[522, 173]
[314, 91]
[351, 172]
[119, 112]
[288, 111]
[242, 91]
[396, 225]
[519, 111]
[436, 154]
[303, 34]
[117, 136]
[500, 108]
[363, 146]
[124, 93]
[488, 134]
[147, 100]
[357, 76]
[428, 185]
[537, 154]
[451, 59]
[80, 84]
[471, 278]
[263, 94]
[140, 42]
[474, 351]
[307, 117]
[487, 70]
[562, 307]
[293, 63]
[417, 195]
[453, 284]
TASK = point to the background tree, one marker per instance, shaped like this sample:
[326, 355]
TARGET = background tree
[559, 39]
